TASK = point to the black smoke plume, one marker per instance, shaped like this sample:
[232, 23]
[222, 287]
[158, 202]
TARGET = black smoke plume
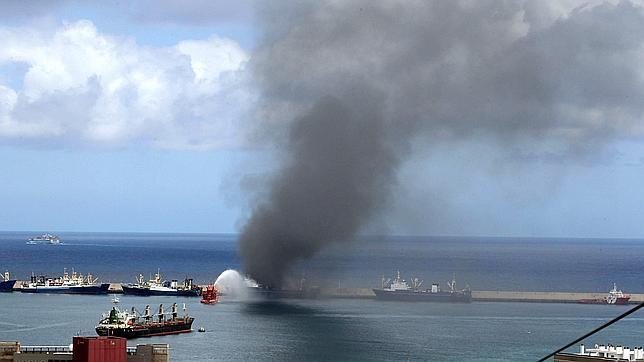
[347, 85]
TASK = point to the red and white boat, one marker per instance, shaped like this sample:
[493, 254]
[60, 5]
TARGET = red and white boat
[209, 295]
[615, 296]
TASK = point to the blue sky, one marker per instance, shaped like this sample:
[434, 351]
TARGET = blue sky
[62, 184]
[119, 119]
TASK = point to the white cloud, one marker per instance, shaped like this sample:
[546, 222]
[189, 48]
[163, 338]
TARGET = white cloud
[82, 86]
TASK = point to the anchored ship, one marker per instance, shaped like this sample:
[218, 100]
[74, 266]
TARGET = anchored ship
[67, 284]
[399, 290]
[614, 296]
[121, 323]
[158, 286]
[6, 285]
[44, 239]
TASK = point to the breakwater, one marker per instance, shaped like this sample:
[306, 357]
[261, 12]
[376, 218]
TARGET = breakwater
[491, 296]
[477, 295]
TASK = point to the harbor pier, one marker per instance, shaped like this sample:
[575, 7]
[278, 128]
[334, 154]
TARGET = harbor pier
[477, 295]
[490, 296]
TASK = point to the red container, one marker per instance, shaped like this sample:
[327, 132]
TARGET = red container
[100, 349]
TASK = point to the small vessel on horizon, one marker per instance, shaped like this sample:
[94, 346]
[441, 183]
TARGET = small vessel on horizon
[615, 296]
[398, 290]
[121, 323]
[46, 238]
[67, 284]
[158, 286]
[7, 284]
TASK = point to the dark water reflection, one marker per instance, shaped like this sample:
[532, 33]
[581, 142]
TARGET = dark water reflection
[312, 333]
[332, 330]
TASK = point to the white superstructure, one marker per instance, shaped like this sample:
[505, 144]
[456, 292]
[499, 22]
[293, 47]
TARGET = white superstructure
[44, 239]
[618, 353]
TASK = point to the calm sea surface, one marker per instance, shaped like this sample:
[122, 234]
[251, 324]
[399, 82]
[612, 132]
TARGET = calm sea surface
[340, 329]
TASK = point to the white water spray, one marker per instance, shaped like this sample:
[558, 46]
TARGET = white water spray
[232, 285]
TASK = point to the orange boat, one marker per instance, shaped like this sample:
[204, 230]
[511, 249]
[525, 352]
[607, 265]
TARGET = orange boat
[209, 295]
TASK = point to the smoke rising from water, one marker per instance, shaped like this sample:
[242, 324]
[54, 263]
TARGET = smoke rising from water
[347, 86]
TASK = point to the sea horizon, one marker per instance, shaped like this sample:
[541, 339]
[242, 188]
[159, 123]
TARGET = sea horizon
[483, 237]
[504, 264]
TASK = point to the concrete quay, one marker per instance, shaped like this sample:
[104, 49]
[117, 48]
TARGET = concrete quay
[489, 296]
[477, 295]
[543, 297]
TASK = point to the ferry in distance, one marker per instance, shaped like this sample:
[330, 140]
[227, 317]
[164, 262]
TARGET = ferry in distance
[47, 238]
[399, 290]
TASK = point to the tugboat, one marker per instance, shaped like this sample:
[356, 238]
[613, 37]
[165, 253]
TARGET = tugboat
[399, 290]
[6, 285]
[209, 295]
[615, 296]
[157, 286]
[132, 324]
[44, 239]
[67, 284]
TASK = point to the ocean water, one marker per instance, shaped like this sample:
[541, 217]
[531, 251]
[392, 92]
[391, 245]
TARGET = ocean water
[340, 329]
[524, 264]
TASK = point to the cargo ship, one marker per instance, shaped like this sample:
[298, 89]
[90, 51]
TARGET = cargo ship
[614, 296]
[399, 290]
[67, 284]
[132, 324]
[48, 239]
[158, 286]
[7, 284]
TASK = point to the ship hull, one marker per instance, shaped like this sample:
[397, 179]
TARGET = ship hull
[91, 290]
[619, 301]
[7, 286]
[148, 330]
[418, 296]
[130, 290]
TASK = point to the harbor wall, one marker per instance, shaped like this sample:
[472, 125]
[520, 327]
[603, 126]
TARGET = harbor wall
[490, 296]
[477, 295]
[542, 297]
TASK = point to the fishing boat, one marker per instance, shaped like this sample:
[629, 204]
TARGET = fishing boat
[158, 286]
[73, 283]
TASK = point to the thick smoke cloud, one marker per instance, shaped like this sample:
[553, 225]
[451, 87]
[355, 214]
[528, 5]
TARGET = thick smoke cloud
[347, 86]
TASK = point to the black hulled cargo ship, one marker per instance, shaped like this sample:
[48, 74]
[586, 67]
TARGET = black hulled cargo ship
[157, 286]
[132, 324]
[7, 284]
[399, 290]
